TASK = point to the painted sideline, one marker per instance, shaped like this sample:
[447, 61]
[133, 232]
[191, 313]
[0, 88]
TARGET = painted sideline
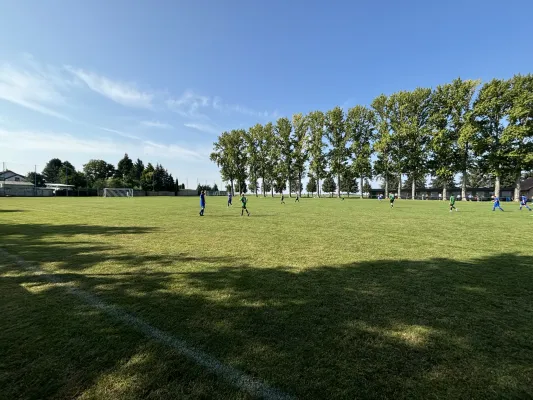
[238, 379]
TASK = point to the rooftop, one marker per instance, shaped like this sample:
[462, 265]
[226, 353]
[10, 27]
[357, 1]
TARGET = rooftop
[58, 185]
[15, 183]
[9, 174]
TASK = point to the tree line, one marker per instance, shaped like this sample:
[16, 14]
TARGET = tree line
[483, 133]
[99, 174]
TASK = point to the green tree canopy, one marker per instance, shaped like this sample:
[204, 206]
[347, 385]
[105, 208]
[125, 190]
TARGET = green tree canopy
[51, 170]
[36, 179]
[98, 170]
[329, 185]
[338, 140]
[311, 185]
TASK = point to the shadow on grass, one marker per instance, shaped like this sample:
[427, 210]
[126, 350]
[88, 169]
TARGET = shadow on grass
[11, 211]
[437, 328]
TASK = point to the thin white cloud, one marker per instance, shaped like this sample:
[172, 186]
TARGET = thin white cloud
[56, 142]
[120, 133]
[122, 93]
[171, 151]
[156, 124]
[203, 128]
[52, 144]
[189, 104]
[219, 105]
[35, 87]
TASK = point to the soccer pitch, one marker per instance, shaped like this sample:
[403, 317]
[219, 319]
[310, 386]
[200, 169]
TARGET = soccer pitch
[322, 299]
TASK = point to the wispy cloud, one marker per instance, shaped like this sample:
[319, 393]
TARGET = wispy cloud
[207, 128]
[171, 151]
[126, 94]
[56, 142]
[156, 124]
[35, 87]
[219, 105]
[189, 104]
[120, 133]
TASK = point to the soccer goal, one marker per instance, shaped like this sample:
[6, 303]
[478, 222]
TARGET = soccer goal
[113, 192]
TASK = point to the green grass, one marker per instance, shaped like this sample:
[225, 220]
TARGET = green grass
[322, 299]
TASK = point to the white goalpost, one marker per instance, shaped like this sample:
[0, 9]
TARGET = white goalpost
[116, 192]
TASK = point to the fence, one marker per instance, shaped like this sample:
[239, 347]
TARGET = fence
[27, 192]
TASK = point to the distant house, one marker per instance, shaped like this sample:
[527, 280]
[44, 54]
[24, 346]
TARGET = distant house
[13, 184]
[10, 176]
[12, 180]
[526, 187]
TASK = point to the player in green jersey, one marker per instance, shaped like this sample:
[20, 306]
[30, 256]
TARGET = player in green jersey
[243, 205]
[391, 198]
[452, 203]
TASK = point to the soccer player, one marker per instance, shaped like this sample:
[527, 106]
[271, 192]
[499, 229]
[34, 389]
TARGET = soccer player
[229, 199]
[282, 199]
[523, 203]
[496, 203]
[243, 205]
[202, 203]
[452, 203]
[391, 198]
[297, 198]
[380, 197]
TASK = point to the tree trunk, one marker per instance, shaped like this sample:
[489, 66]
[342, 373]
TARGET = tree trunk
[300, 184]
[497, 186]
[517, 189]
[444, 194]
[361, 183]
[400, 186]
[465, 174]
[272, 187]
[463, 186]
[232, 191]
[318, 187]
[413, 189]
[263, 187]
[339, 186]
[386, 186]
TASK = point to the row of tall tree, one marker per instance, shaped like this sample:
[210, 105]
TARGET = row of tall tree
[99, 174]
[459, 128]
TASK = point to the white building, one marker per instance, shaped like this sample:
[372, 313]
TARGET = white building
[13, 184]
[10, 176]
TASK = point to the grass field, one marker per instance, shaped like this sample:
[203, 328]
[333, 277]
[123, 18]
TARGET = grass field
[325, 299]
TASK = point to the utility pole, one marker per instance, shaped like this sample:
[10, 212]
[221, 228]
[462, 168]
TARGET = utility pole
[35, 183]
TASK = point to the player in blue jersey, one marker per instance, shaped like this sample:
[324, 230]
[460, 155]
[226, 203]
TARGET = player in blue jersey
[523, 203]
[202, 203]
[230, 197]
[496, 205]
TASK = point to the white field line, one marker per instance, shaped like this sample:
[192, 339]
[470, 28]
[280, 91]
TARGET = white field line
[238, 379]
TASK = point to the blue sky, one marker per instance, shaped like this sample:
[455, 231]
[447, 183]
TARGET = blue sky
[160, 79]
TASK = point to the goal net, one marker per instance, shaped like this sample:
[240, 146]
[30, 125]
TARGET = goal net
[112, 192]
